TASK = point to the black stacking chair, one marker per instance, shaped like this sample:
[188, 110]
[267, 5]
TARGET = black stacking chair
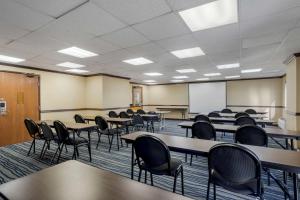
[138, 122]
[213, 114]
[48, 137]
[203, 130]
[130, 111]
[113, 114]
[252, 135]
[64, 139]
[250, 111]
[201, 118]
[241, 114]
[154, 119]
[226, 110]
[234, 168]
[244, 120]
[153, 156]
[79, 119]
[103, 129]
[34, 133]
[141, 112]
[124, 114]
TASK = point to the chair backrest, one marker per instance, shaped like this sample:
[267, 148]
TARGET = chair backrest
[152, 113]
[203, 130]
[137, 120]
[244, 120]
[234, 164]
[201, 118]
[101, 122]
[241, 114]
[47, 131]
[141, 111]
[61, 131]
[152, 152]
[251, 135]
[250, 111]
[79, 119]
[130, 111]
[113, 114]
[226, 110]
[124, 114]
[32, 127]
[214, 114]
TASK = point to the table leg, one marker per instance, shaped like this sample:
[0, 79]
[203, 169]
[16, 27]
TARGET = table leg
[74, 152]
[187, 132]
[295, 183]
[132, 161]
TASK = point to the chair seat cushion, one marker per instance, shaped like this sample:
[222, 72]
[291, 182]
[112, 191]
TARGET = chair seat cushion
[175, 165]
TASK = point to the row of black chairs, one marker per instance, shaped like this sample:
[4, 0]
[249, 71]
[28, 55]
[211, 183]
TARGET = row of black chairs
[240, 120]
[62, 137]
[230, 166]
[248, 111]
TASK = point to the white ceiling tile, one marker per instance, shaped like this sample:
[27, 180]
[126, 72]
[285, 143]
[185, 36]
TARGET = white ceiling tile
[114, 56]
[165, 26]
[18, 15]
[91, 19]
[97, 45]
[281, 22]
[17, 53]
[10, 31]
[263, 40]
[133, 11]
[54, 8]
[184, 4]
[258, 8]
[126, 37]
[180, 42]
[149, 49]
[225, 57]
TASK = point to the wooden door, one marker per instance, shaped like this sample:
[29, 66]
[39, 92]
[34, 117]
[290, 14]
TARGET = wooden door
[21, 92]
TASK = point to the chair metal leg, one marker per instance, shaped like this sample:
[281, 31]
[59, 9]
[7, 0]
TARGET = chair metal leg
[34, 146]
[151, 176]
[30, 147]
[182, 182]
[112, 138]
[191, 160]
[99, 140]
[146, 176]
[207, 191]
[175, 181]
[43, 149]
[90, 153]
[60, 150]
[66, 148]
[215, 195]
[140, 174]
[118, 136]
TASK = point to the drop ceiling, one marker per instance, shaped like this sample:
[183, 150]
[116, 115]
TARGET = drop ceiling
[267, 32]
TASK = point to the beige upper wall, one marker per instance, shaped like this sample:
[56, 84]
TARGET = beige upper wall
[94, 91]
[116, 92]
[175, 94]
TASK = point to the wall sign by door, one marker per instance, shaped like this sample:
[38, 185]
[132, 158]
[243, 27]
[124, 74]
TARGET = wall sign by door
[2, 107]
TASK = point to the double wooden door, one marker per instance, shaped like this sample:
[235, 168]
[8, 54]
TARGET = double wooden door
[21, 93]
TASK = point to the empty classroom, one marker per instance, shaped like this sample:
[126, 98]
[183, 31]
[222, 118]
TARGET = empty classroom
[149, 99]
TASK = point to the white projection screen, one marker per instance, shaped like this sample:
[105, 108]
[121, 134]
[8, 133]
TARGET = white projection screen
[207, 97]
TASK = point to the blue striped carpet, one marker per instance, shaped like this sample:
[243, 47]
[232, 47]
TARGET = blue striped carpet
[14, 164]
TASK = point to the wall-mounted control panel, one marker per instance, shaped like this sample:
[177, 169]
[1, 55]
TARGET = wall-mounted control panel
[3, 107]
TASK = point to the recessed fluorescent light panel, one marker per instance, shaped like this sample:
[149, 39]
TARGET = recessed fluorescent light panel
[213, 74]
[176, 81]
[149, 81]
[188, 53]
[153, 74]
[251, 70]
[232, 77]
[77, 52]
[186, 71]
[9, 59]
[228, 66]
[210, 15]
[70, 65]
[202, 79]
[77, 71]
[180, 77]
[138, 61]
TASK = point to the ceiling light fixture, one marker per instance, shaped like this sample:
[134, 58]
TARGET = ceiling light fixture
[212, 74]
[188, 53]
[176, 81]
[77, 52]
[138, 61]
[153, 74]
[149, 81]
[202, 79]
[70, 65]
[232, 77]
[10, 59]
[186, 71]
[77, 71]
[229, 66]
[251, 70]
[180, 77]
[210, 15]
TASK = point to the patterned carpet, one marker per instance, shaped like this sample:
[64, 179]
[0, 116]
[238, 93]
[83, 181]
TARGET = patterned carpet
[14, 164]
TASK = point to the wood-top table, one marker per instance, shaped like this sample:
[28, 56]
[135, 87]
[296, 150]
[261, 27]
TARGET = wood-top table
[262, 113]
[73, 180]
[285, 160]
[182, 110]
